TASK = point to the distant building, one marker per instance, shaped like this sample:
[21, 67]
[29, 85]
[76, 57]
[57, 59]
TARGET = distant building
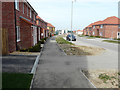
[108, 28]
[79, 32]
[51, 29]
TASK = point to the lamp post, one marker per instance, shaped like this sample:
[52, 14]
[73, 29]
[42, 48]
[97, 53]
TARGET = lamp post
[72, 17]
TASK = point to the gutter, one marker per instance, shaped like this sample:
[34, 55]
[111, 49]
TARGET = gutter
[15, 25]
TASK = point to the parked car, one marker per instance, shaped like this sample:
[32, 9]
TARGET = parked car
[70, 37]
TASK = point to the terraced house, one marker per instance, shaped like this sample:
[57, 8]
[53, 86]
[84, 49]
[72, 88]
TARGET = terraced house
[42, 28]
[19, 20]
[51, 29]
[108, 28]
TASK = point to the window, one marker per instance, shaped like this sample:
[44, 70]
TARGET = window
[93, 27]
[27, 11]
[119, 26]
[101, 34]
[18, 33]
[93, 33]
[101, 26]
[34, 18]
[17, 4]
[30, 13]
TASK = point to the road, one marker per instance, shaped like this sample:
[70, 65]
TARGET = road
[106, 45]
[56, 70]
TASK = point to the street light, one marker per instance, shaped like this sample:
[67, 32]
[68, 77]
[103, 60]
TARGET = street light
[72, 17]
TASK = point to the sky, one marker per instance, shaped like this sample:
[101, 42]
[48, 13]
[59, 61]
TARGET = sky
[85, 12]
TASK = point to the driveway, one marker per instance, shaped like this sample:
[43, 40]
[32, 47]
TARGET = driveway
[17, 63]
[56, 70]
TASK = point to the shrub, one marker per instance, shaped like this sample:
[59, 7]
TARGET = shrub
[35, 48]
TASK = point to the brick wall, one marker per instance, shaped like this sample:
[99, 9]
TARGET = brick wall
[111, 31]
[25, 36]
[8, 22]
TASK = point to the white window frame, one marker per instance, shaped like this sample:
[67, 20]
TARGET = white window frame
[18, 33]
[17, 4]
[23, 8]
[101, 26]
[27, 11]
[119, 26]
[30, 13]
[93, 27]
[93, 33]
[101, 33]
[39, 33]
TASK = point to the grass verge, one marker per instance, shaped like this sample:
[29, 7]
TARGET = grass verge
[60, 40]
[16, 80]
[71, 49]
[111, 41]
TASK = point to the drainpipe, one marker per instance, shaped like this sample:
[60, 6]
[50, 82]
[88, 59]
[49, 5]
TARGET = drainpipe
[15, 25]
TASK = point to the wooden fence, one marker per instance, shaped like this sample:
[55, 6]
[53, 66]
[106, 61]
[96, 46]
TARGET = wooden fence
[4, 41]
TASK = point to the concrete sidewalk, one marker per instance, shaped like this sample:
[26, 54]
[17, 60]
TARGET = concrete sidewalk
[56, 70]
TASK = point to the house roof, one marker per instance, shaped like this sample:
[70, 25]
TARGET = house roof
[49, 25]
[109, 20]
[40, 19]
[79, 30]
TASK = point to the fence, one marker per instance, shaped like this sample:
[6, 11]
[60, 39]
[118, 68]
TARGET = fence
[4, 41]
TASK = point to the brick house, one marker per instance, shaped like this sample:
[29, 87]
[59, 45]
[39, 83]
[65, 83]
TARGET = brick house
[88, 30]
[19, 18]
[108, 28]
[42, 28]
[51, 29]
[79, 32]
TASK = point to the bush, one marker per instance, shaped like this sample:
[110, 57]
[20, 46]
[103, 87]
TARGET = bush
[98, 36]
[35, 48]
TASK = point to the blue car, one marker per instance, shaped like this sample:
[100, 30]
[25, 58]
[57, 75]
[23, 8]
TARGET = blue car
[69, 38]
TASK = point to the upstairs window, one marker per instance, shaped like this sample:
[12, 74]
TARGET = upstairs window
[27, 11]
[34, 17]
[93, 27]
[119, 26]
[17, 4]
[30, 13]
[101, 26]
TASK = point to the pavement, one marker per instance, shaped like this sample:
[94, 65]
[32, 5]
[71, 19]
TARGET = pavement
[18, 63]
[56, 70]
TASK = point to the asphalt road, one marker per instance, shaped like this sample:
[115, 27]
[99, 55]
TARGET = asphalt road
[106, 45]
[56, 70]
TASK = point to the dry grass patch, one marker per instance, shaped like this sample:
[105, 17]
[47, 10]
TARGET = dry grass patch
[81, 50]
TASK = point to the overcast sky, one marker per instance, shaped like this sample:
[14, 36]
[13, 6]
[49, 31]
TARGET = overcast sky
[58, 12]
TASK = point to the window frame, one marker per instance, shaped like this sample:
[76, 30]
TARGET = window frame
[119, 26]
[93, 27]
[101, 26]
[17, 5]
[30, 13]
[18, 33]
